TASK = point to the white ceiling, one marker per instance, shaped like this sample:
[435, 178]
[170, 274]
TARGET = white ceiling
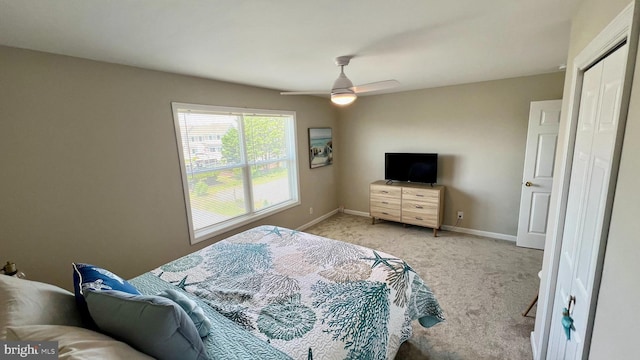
[291, 44]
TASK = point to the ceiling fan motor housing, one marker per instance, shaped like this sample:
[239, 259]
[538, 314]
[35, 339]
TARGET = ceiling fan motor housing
[342, 84]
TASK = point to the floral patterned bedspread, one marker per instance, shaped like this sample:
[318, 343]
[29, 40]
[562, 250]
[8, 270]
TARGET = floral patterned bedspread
[306, 295]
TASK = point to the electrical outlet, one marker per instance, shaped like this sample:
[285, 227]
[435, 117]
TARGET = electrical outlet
[310, 211]
[460, 215]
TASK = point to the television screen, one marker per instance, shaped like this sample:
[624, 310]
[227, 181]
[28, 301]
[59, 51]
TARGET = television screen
[411, 167]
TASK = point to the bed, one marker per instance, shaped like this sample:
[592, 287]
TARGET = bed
[306, 295]
[266, 293]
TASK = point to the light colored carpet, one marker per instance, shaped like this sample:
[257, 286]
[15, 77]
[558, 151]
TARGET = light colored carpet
[483, 285]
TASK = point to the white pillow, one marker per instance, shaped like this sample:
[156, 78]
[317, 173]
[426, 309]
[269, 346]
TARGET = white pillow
[76, 343]
[25, 302]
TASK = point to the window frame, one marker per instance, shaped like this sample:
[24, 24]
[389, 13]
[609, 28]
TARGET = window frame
[253, 215]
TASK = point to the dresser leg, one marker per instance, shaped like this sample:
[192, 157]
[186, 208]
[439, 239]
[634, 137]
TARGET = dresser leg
[373, 220]
[435, 232]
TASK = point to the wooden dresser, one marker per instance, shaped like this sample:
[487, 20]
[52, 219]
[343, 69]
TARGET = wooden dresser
[408, 203]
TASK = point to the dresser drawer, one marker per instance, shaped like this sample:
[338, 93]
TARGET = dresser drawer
[385, 191]
[385, 202]
[420, 218]
[424, 195]
[419, 207]
[383, 213]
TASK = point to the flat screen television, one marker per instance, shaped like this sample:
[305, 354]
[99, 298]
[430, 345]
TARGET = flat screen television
[411, 167]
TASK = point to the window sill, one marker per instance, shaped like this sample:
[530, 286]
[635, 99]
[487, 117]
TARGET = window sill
[211, 231]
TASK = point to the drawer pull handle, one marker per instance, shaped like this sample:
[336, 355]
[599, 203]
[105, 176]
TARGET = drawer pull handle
[419, 195]
[384, 192]
[384, 202]
[419, 207]
[419, 218]
[385, 213]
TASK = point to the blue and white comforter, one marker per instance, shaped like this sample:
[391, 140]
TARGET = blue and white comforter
[308, 296]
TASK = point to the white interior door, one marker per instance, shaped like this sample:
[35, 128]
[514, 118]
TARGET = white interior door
[588, 191]
[537, 178]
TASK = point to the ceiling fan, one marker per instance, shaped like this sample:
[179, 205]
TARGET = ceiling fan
[343, 92]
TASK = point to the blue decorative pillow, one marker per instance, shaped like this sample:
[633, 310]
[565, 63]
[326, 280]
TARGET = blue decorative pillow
[154, 325]
[195, 312]
[86, 276]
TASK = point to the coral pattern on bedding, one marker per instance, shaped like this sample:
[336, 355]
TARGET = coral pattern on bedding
[307, 295]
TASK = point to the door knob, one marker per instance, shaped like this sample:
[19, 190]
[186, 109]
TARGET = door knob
[528, 183]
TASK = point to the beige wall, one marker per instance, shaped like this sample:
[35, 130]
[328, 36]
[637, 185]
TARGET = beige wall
[90, 167]
[617, 286]
[479, 131]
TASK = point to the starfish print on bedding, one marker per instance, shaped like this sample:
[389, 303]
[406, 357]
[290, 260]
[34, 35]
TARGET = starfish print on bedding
[183, 283]
[406, 267]
[294, 232]
[275, 230]
[378, 259]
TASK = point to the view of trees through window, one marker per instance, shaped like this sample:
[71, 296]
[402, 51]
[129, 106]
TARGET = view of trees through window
[235, 164]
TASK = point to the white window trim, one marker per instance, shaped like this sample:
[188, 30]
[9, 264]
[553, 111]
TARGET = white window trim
[225, 226]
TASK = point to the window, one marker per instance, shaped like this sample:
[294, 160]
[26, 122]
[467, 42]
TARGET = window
[254, 173]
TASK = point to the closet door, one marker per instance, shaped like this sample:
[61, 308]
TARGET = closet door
[588, 194]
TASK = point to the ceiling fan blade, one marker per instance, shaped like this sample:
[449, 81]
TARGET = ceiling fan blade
[304, 93]
[375, 86]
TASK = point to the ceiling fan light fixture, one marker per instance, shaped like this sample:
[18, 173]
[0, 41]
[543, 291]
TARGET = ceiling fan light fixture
[343, 98]
[343, 92]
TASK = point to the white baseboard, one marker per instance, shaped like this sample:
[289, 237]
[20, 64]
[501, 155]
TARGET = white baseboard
[450, 228]
[357, 213]
[480, 233]
[533, 346]
[317, 220]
